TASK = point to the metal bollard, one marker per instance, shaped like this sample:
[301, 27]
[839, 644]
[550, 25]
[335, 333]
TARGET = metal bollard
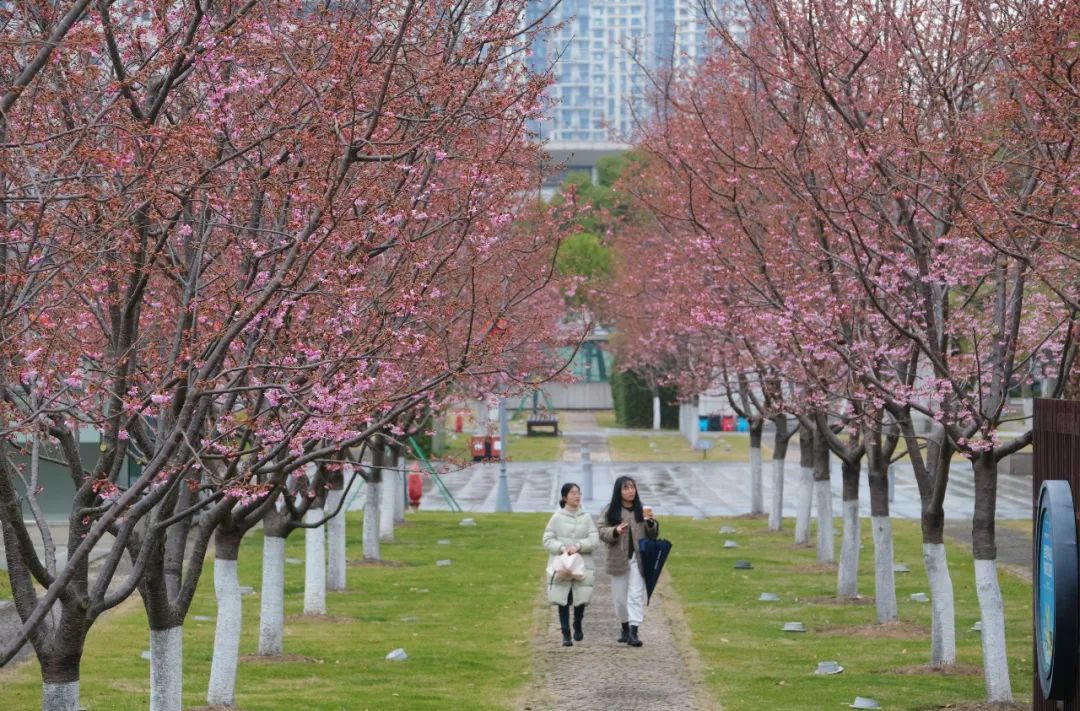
[586, 474]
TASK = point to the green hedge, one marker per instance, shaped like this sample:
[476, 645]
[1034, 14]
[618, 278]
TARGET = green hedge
[633, 402]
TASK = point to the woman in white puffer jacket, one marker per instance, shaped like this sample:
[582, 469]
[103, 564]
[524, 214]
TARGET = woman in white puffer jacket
[571, 530]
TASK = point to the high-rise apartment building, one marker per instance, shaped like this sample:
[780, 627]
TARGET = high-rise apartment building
[602, 54]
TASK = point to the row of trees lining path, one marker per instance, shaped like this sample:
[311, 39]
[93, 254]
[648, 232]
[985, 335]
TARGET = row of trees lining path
[250, 245]
[859, 219]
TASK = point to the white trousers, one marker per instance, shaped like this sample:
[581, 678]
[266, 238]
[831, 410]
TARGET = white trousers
[628, 592]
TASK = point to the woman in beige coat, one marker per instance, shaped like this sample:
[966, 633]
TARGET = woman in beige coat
[571, 530]
[623, 523]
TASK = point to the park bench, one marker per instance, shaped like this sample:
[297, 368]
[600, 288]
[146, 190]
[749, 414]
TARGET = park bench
[542, 421]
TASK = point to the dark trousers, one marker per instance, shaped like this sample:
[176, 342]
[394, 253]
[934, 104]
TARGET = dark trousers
[564, 612]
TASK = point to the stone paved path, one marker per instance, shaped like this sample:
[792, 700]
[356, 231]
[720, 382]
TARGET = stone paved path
[600, 673]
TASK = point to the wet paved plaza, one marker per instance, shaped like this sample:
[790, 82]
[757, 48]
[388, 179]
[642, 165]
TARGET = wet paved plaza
[705, 488]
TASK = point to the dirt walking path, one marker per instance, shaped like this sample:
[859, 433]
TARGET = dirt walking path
[600, 673]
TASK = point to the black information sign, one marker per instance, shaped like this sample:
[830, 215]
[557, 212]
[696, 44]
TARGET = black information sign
[1056, 590]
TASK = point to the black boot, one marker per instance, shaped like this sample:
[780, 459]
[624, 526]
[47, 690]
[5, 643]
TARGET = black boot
[564, 623]
[633, 640]
[579, 612]
[625, 636]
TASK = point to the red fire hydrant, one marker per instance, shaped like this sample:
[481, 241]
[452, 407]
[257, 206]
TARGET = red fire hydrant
[415, 486]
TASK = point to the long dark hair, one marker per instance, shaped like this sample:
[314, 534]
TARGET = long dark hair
[566, 489]
[614, 509]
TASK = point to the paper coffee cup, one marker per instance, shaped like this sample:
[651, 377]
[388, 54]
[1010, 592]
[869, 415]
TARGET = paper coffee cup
[647, 510]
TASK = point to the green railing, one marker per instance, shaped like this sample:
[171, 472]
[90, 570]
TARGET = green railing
[447, 496]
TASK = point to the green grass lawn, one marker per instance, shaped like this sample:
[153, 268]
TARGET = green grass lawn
[733, 447]
[5, 586]
[467, 629]
[750, 664]
[520, 448]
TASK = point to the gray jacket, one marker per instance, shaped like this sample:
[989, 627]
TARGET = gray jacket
[618, 549]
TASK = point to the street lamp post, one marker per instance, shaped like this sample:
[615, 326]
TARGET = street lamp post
[502, 495]
[586, 473]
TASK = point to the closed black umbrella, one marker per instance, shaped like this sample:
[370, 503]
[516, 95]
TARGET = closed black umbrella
[654, 553]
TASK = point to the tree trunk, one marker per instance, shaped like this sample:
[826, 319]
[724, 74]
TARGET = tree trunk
[806, 488]
[780, 447]
[335, 533]
[656, 412]
[315, 563]
[386, 504]
[884, 577]
[943, 612]
[823, 495]
[60, 663]
[984, 548]
[847, 580]
[60, 696]
[272, 596]
[399, 476]
[943, 620]
[167, 669]
[371, 517]
[757, 498]
[222, 688]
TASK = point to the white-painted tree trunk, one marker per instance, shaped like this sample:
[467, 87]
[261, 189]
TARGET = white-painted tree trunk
[335, 534]
[805, 504]
[222, 688]
[884, 577]
[943, 612]
[847, 577]
[272, 597]
[992, 609]
[776, 507]
[386, 505]
[167, 669]
[825, 547]
[372, 505]
[757, 495]
[656, 412]
[315, 564]
[399, 499]
[60, 696]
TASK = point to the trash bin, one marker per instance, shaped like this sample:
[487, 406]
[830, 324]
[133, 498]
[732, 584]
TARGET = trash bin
[727, 423]
[742, 425]
[480, 448]
[703, 423]
[714, 423]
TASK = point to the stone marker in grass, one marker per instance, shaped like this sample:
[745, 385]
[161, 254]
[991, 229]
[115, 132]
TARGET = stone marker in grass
[828, 667]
